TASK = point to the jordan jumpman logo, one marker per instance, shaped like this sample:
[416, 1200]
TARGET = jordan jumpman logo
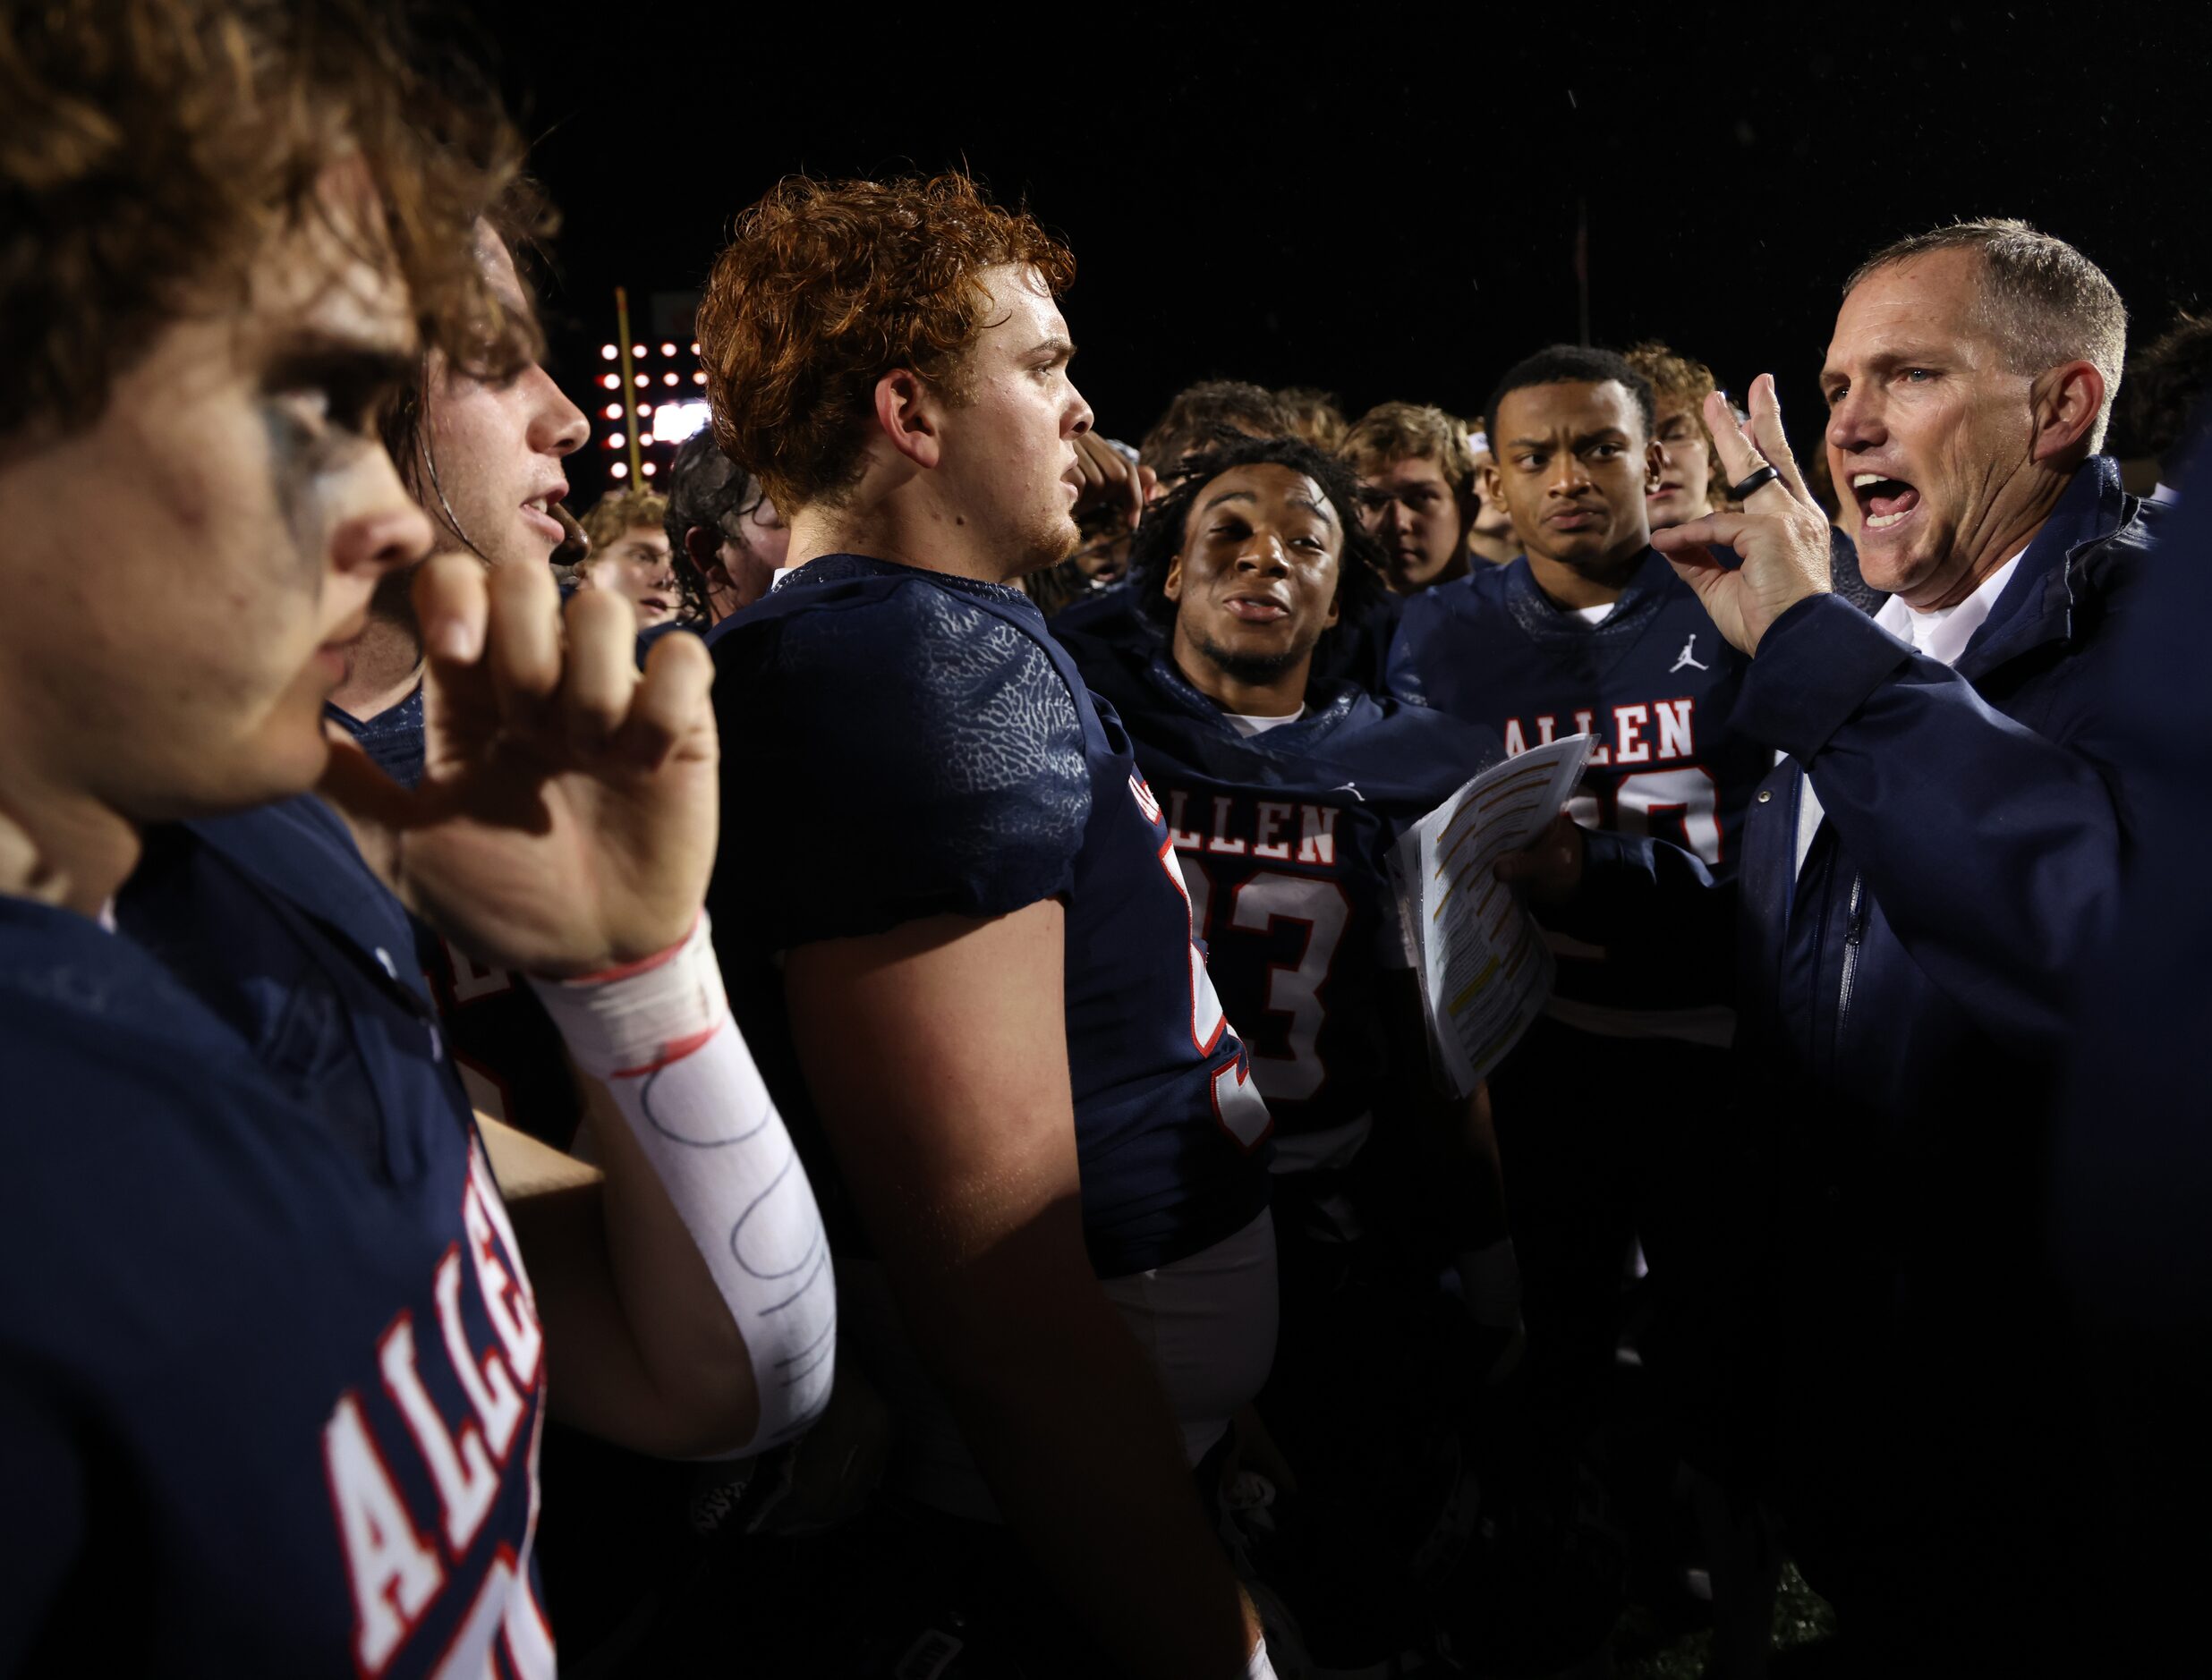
[1689, 655]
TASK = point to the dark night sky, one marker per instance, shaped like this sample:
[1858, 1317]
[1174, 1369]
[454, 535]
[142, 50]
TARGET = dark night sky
[1392, 214]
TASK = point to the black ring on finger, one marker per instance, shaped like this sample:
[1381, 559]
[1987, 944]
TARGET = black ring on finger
[1758, 478]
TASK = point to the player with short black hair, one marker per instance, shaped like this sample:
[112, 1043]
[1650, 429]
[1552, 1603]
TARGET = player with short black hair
[1574, 364]
[1590, 631]
[1159, 539]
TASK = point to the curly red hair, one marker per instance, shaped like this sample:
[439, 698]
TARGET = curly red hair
[825, 287]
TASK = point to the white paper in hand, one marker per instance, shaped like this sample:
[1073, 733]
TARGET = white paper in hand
[1484, 969]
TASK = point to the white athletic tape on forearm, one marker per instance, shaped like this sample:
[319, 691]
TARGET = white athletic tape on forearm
[659, 1035]
[1258, 1666]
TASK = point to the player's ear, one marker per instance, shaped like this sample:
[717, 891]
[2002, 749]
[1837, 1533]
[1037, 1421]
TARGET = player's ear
[1654, 465]
[2065, 403]
[1173, 587]
[1491, 482]
[905, 408]
[704, 548]
[1336, 608]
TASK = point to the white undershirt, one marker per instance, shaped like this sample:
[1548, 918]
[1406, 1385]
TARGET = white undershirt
[1940, 633]
[1247, 726]
[1594, 614]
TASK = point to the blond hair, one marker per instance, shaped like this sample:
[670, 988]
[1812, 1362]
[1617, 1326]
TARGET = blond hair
[1391, 432]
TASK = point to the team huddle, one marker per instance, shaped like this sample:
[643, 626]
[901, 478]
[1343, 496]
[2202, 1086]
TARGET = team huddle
[882, 979]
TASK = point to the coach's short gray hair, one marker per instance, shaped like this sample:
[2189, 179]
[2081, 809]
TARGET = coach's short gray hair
[2045, 301]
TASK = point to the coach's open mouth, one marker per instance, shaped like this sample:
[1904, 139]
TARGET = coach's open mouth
[1884, 501]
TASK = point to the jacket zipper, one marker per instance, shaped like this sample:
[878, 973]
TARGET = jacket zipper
[1854, 931]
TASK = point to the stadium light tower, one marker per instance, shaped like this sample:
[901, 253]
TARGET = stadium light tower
[652, 400]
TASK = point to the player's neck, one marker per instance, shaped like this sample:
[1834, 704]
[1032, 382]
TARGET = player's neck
[1598, 584]
[1495, 551]
[907, 526]
[385, 666]
[1283, 695]
[59, 844]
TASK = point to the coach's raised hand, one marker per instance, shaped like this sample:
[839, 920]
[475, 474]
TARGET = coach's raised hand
[565, 820]
[1781, 536]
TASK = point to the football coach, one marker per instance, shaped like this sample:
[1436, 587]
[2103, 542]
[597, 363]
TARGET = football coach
[1935, 854]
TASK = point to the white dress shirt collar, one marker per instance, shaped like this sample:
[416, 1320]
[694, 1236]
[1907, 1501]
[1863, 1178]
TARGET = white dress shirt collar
[1942, 635]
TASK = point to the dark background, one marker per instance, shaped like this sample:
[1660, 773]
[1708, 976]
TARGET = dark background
[1383, 204]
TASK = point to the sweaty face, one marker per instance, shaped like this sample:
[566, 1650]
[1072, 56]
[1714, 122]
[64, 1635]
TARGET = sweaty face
[636, 564]
[1927, 429]
[1408, 508]
[1571, 469]
[1685, 469]
[1009, 464]
[184, 577]
[497, 446]
[1255, 583]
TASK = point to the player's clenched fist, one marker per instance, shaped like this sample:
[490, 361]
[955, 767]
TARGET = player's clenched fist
[566, 820]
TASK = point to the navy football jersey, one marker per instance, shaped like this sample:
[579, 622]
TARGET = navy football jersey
[271, 1376]
[1285, 839]
[393, 739]
[897, 744]
[1656, 684]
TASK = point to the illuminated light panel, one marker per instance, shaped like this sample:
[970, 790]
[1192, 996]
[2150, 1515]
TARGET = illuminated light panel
[651, 468]
[695, 347]
[620, 470]
[612, 381]
[614, 410]
[609, 351]
[678, 420]
[698, 375]
[644, 408]
[644, 378]
[668, 350]
[615, 440]
[638, 351]
[668, 378]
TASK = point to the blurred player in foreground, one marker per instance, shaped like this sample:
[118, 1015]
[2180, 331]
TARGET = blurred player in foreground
[272, 1370]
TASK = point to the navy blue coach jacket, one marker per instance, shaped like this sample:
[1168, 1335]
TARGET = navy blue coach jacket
[1904, 1014]
[1913, 984]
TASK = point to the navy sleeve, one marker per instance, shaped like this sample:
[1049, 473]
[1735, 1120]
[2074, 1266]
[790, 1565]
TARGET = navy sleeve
[1403, 668]
[42, 1517]
[891, 758]
[1993, 852]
